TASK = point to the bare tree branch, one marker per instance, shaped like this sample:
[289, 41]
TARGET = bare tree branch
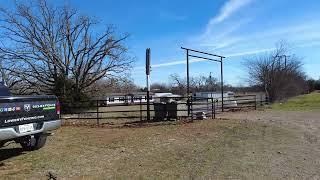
[45, 44]
[278, 73]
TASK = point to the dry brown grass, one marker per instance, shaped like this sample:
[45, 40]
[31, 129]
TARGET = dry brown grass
[215, 149]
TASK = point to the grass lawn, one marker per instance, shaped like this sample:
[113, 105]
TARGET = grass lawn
[211, 149]
[304, 102]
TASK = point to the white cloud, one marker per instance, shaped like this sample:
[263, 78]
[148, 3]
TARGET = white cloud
[238, 54]
[301, 34]
[173, 63]
[250, 52]
[220, 43]
[306, 32]
[229, 8]
[170, 63]
[221, 37]
[217, 37]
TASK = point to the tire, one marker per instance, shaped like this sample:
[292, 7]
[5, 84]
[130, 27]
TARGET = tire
[34, 143]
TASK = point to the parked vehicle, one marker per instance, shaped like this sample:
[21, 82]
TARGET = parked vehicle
[27, 120]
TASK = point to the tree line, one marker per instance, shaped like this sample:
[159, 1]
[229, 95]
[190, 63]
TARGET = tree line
[279, 73]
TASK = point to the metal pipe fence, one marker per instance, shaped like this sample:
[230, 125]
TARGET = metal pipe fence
[168, 108]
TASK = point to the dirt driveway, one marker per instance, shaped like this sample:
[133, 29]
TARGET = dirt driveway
[307, 122]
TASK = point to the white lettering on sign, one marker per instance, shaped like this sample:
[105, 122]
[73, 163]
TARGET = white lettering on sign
[23, 119]
[42, 105]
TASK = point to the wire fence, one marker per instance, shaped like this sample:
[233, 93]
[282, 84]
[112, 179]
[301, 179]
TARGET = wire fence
[115, 111]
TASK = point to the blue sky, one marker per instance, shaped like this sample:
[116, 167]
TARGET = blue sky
[236, 29]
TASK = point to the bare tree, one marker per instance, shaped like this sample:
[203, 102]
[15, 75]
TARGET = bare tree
[46, 47]
[313, 85]
[203, 83]
[278, 73]
[178, 84]
[122, 84]
[197, 84]
[7, 78]
[126, 85]
[160, 87]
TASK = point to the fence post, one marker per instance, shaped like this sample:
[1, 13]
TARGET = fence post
[188, 104]
[207, 104]
[140, 109]
[191, 105]
[212, 115]
[255, 102]
[98, 123]
[214, 110]
[261, 100]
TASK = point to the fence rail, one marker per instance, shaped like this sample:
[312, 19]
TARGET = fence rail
[183, 107]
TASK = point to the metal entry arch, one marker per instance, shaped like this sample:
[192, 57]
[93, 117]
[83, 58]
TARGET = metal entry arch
[199, 55]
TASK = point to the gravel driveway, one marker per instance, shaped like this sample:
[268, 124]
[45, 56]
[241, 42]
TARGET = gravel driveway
[308, 122]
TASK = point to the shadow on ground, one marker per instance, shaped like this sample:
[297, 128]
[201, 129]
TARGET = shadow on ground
[9, 153]
[133, 124]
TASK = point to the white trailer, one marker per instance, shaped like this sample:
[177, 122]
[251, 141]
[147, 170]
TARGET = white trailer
[228, 97]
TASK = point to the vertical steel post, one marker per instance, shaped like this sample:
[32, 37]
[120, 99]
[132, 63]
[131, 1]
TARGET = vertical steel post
[140, 109]
[191, 108]
[214, 109]
[148, 104]
[255, 102]
[188, 85]
[98, 120]
[212, 113]
[148, 82]
[222, 99]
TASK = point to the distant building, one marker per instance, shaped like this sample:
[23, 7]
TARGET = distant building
[228, 97]
[135, 97]
[215, 95]
[120, 98]
[166, 97]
